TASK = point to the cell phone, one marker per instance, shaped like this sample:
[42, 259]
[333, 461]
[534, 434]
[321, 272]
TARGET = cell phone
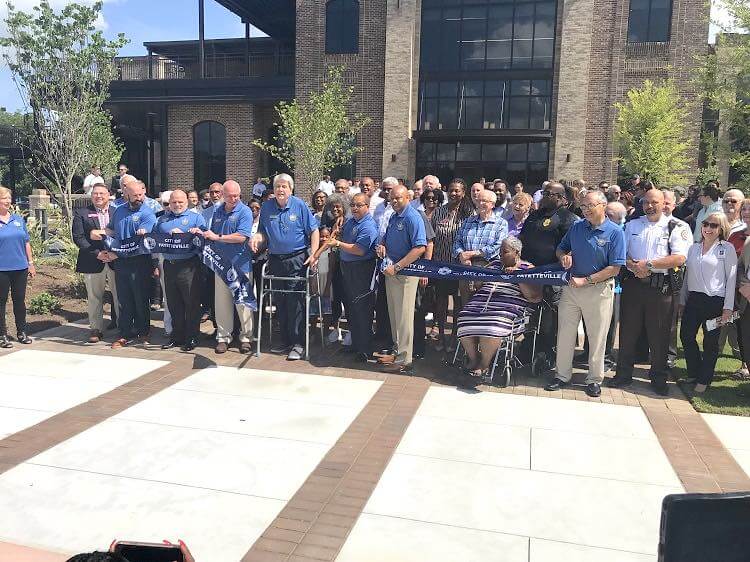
[148, 552]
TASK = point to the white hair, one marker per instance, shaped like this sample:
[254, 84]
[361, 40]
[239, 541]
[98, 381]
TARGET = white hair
[514, 243]
[284, 177]
[597, 193]
[165, 195]
[390, 180]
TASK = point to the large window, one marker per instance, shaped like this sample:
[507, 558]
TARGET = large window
[342, 26]
[487, 34]
[484, 104]
[649, 21]
[209, 153]
[514, 162]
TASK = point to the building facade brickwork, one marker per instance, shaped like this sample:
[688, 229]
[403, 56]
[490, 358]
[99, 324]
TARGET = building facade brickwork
[365, 71]
[239, 119]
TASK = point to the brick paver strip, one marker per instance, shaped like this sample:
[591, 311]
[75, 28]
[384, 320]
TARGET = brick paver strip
[27, 443]
[317, 520]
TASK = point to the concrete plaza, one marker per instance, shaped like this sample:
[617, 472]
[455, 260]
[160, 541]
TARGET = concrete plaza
[259, 459]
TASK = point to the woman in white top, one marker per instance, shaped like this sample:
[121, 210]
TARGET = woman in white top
[708, 292]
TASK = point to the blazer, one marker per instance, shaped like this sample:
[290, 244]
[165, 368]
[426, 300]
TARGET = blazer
[84, 221]
[742, 277]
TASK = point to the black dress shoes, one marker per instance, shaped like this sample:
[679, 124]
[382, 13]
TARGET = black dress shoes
[618, 382]
[189, 345]
[593, 390]
[660, 387]
[21, 337]
[170, 344]
[5, 342]
[556, 384]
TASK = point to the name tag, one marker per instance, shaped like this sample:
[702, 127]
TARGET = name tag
[722, 253]
[274, 217]
[93, 216]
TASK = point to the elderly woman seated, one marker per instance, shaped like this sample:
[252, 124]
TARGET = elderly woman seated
[494, 309]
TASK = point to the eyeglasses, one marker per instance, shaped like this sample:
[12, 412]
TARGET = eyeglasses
[547, 193]
[430, 198]
[707, 224]
[355, 205]
[586, 206]
[731, 200]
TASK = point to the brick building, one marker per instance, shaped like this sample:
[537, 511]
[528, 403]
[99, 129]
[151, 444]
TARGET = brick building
[521, 89]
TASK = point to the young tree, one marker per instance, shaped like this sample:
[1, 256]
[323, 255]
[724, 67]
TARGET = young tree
[724, 78]
[317, 134]
[63, 66]
[651, 133]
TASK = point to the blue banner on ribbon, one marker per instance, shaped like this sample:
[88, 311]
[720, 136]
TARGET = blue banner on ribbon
[543, 275]
[214, 257]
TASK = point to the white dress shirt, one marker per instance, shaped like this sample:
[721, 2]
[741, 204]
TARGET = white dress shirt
[90, 181]
[645, 240]
[713, 273]
[382, 215]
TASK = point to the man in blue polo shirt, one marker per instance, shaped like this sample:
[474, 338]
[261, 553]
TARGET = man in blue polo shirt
[288, 228]
[593, 250]
[359, 236]
[132, 273]
[231, 226]
[182, 274]
[404, 242]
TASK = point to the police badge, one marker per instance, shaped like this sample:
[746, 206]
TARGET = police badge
[292, 217]
[149, 243]
[400, 225]
[185, 221]
[546, 222]
[136, 218]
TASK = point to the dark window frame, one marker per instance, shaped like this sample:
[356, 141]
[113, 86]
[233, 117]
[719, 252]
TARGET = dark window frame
[651, 35]
[342, 27]
[213, 166]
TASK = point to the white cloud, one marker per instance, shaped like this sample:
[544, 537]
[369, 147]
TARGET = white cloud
[27, 5]
[720, 21]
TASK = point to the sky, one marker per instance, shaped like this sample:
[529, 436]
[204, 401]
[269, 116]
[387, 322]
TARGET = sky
[167, 20]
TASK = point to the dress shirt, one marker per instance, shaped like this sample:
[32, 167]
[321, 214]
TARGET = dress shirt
[645, 240]
[375, 200]
[514, 227]
[259, 189]
[326, 186]
[102, 216]
[382, 215]
[481, 235]
[713, 273]
[89, 182]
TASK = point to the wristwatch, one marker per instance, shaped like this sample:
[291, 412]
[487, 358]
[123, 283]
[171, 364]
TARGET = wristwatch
[590, 280]
[397, 267]
[650, 266]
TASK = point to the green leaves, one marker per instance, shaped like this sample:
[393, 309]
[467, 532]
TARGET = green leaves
[317, 134]
[651, 133]
[63, 67]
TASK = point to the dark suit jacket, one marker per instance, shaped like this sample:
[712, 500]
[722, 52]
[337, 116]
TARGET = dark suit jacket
[84, 221]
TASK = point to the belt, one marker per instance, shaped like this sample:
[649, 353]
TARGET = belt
[287, 256]
[183, 260]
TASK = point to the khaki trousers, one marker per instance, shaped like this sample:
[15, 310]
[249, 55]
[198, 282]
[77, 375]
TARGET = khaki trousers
[224, 309]
[96, 284]
[594, 303]
[401, 292]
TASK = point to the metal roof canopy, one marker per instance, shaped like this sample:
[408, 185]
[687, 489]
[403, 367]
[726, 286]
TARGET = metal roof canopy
[276, 18]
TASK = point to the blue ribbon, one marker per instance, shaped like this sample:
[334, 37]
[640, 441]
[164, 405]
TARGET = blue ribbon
[544, 275]
[215, 257]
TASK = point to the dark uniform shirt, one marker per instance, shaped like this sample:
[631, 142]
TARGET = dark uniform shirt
[542, 233]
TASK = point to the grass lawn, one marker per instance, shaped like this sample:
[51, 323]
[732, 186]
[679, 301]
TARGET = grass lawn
[726, 395]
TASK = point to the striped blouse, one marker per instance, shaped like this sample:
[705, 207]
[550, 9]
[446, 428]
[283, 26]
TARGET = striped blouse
[445, 223]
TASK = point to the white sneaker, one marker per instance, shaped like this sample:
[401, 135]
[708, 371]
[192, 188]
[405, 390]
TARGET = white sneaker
[270, 309]
[296, 353]
[334, 336]
[429, 317]
[347, 340]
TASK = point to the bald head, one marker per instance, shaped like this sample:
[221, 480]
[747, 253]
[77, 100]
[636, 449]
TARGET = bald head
[178, 201]
[399, 198]
[231, 191]
[616, 212]
[653, 204]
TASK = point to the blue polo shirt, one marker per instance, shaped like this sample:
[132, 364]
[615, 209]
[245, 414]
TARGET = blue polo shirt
[287, 228]
[238, 220]
[13, 238]
[405, 231]
[166, 223]
[363, 233]
[125, 222]
[593, 248]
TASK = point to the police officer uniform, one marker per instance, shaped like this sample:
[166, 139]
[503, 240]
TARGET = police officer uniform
[287, 230]
[132, 273]
[648, 303]
[357, 272]
[182, 281]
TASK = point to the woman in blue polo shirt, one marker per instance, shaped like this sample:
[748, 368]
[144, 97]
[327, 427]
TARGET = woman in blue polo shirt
[16, 265]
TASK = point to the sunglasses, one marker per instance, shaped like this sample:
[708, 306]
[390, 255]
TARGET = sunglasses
[430, 198]
[546, 193]
[707, 224]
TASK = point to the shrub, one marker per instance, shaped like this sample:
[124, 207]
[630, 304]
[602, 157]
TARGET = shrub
[43, 303]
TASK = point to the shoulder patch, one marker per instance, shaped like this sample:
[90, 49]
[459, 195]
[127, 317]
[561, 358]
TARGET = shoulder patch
[684, 234]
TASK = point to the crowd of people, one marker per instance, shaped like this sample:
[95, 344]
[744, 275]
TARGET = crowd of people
[638, 256]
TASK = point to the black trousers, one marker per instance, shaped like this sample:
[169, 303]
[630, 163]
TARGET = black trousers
[357, 276]
[290, 307]
[133, 278]
[699, 308]
[420, 333]
[743, 334]
[649, 308]
[182, 285]
[13, 283]
[338, 296]
[207, 290]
